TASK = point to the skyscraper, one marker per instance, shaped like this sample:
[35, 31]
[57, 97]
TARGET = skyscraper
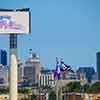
[98, 65]
[3, 57]
[32, 69]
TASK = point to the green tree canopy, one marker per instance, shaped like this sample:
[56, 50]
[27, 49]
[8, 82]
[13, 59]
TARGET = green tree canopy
[52, 95]
[94, 88]
[25, 90]
[75, 87]
[72, 87]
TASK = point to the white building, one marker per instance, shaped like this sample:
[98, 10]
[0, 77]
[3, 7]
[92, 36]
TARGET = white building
[47, 78]
[71, 76]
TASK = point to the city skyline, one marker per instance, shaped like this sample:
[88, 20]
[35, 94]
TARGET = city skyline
[68, 29]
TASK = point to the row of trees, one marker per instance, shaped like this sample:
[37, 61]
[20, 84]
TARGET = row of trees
[20, 90]
[76, 87]
[4, 90]
[28, 91]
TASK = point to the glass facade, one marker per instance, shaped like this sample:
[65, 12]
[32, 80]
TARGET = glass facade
[89, 72]
[98, 65]
[3, 57]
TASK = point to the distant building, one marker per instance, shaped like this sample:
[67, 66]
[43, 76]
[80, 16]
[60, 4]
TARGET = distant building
[20, 69]
[98, 65]
[3, 57]
[47, 78]
[3, 75]
[89, 73]
[83, 80]
[32, 69]
[69, 75]
[29, 72]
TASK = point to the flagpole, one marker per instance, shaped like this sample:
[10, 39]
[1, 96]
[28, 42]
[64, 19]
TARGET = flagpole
[57, 75]
[61, 89]
[60, 85]
[57, 86]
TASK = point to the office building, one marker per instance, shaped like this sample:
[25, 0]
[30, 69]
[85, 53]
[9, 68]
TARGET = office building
[88, 72]
[98, 65]
[32, 69]
[3, 57]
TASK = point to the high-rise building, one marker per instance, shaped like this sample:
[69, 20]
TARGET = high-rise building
[98, 65]
[88, 72]
[20, 69]
[32, 69]
[3, 57]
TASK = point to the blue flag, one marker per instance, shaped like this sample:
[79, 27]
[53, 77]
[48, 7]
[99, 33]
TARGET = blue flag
[57, 71]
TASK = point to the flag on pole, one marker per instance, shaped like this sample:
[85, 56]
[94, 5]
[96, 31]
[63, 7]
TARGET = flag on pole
[64, 67]
[57, 71]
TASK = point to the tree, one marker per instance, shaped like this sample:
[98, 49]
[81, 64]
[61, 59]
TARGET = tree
[4, 90]
[26, 91]
[72, 87]
[52, 95]
[76, 87]
[33, 97]
[95, 88]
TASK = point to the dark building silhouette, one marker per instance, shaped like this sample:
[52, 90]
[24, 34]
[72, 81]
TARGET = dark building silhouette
[89, 73]
[3, 57]
[98, 65]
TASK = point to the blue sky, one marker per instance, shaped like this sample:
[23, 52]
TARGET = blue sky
[60, 28]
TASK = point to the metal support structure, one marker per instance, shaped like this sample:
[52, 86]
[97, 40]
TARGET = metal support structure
[13, 50]
[13, 67]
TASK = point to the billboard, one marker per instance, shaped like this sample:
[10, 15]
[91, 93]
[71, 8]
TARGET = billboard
[14, 22]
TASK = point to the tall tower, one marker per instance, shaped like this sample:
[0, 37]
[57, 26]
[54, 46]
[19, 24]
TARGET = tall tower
[3, 57]
[98, 65]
